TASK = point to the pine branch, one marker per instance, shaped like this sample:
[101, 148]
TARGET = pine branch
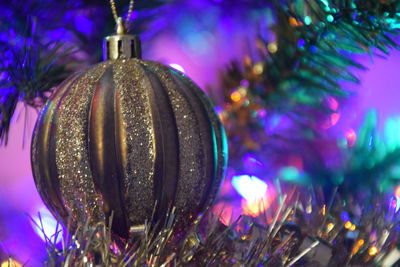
[33, 62]
[29, 75]
[302, 68]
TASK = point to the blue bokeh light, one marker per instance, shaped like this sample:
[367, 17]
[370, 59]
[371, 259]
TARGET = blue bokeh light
[46, 226]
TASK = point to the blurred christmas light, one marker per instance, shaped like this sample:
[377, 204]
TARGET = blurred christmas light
[397, 204]
[351, 137]
[357, 246]
[344, 216]
[114, 248]
[334, 117]
[397, 191]
[255, 207]
[293, 175]
[242, 90]
[393, 203]
[177, 67]
[262, 113]
[294, 22]
[396, 199]
[10, 263]
[301, 43]
[244, 83]
[259, 67]
[329, 227]
[236, 96]
[330, 18]
[332, 103]
[307, 20]
[373, 251]
[331, 121]
[272, 48]
[392, 128]
[326, 3]
[249, 187]
[45, 225]
[348, 225]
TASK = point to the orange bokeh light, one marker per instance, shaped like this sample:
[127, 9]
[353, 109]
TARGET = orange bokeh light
[397, 191]
[10, 263]
[236, 96]
[255, 207]
[295, 22]
[373, 251]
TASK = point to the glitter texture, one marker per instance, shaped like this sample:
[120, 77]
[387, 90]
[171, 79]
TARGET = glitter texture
[219, 137]
[71, 148]
[138, 177]
[41, 141]
[191, 183]
[144, 132]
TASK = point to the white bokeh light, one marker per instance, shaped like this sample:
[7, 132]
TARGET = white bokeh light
[249, 187]
[43, 221]
[177, 67]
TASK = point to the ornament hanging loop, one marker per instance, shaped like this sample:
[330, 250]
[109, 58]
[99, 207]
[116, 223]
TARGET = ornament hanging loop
[120, 28]
[121, 45]
[128, 15]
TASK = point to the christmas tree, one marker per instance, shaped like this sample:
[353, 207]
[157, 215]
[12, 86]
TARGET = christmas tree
[300, 189]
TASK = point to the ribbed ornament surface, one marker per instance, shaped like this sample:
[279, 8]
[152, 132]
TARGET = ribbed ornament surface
[123, 135]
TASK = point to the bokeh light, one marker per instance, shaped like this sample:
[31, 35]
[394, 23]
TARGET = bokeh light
[255, 207]
[351, 137]
[344, 216]
[10, 263]
[373, 251]
[46, 226]
[397, 191]
[249, 187]
[329, 227]
[236, 96]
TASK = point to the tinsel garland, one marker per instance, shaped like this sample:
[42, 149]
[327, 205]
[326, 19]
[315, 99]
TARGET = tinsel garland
[294, 231]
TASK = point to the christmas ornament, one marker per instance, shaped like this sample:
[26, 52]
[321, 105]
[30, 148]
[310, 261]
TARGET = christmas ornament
[126, 134]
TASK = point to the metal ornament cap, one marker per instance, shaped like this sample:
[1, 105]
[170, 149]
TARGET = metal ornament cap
[121, 45]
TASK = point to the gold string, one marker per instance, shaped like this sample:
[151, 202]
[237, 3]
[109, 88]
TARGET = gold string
[114, 11]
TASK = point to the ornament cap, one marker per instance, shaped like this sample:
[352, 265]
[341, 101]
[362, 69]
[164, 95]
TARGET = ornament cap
[121, 45]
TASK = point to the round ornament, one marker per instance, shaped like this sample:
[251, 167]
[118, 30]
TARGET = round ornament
[128, 137]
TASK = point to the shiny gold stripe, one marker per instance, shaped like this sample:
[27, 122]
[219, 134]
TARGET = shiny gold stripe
[136, 118]
[43, 149]
[72, 160]
[194, 164]
[219, 142]
[103, 154]
[166, 143]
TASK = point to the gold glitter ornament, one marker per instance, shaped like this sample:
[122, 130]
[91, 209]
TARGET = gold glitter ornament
[126, 134]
